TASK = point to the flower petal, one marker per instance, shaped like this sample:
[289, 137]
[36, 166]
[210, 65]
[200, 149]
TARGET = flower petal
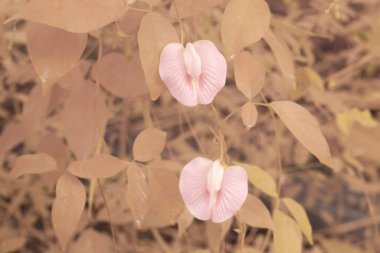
[193, 187]
[192, 61]
[232, 195]
[214, 71]
[173, 73]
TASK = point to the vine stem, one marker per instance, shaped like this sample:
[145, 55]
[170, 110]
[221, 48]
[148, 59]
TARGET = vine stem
[241, 236]
[193, 132]
[277, 142]
[161, 241]
[179, 21]
[109, 214]
[279, 163]
[220, 137]
[100, 142]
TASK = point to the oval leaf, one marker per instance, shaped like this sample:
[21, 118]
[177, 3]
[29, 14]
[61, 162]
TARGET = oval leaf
[304, 127]
[92, 241]
[84, 118]
[299, 214]
[249, 114]
[336, 245]
[216, 232]
[54, 146]
[249, 74]
[98, 166]
[154, 34]
[121, 76]
[153, 196]
[53, 51]
[186, 8]
[287, 235]
[33, 164]
[166, 202]
[35, 109]
[12, 244]
[73, 16]
[184, 221]
[138, 192]
[67, 207]
[261, 179]
[244, 22]
[255, 214]
[283, 57]
[148, 144]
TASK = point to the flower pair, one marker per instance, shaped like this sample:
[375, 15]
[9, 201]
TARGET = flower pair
[194, 75]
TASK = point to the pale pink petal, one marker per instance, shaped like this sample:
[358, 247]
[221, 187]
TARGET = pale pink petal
[173, 73]
[193, 187]
[214, 71]
[232, 195]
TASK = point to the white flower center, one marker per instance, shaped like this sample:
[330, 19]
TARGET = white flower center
[214, 180]
[192, 63]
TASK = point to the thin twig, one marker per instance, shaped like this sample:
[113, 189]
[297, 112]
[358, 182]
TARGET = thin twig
[161, 241]
[114, 241]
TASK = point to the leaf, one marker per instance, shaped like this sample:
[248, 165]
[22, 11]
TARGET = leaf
[154, 34]
[73, 16]
[308, 77]
[153, 196]
[138, 193]
[186, 8]
[165, 203]
[148, 144]
[249, 114]
[54, 146]
[244, 22]
[283, 57]
[249, 74]
[305, 128]
[287, 235]
[130, 21]
[98, 166]
[33, 164]
[335, 246]
[84, 118]
[260, 178]
[216, 232]
[152, 2]
[184, 221]
[92, 241]
[35, 109]
[248, 249]
[53, 51]
[364, 142]
[121, 76]
[67, 207]
[255, 214]
[12, 244]
[345, 120]
[299, 214]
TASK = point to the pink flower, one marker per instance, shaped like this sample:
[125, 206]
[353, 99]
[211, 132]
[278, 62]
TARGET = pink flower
[194, 74]
[210, 192]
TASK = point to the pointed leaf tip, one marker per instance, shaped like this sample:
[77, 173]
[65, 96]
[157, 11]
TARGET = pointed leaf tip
[33, 164]
[67, 207]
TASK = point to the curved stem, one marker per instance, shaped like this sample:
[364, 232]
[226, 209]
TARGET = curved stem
[279, 164]
[109, 214]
